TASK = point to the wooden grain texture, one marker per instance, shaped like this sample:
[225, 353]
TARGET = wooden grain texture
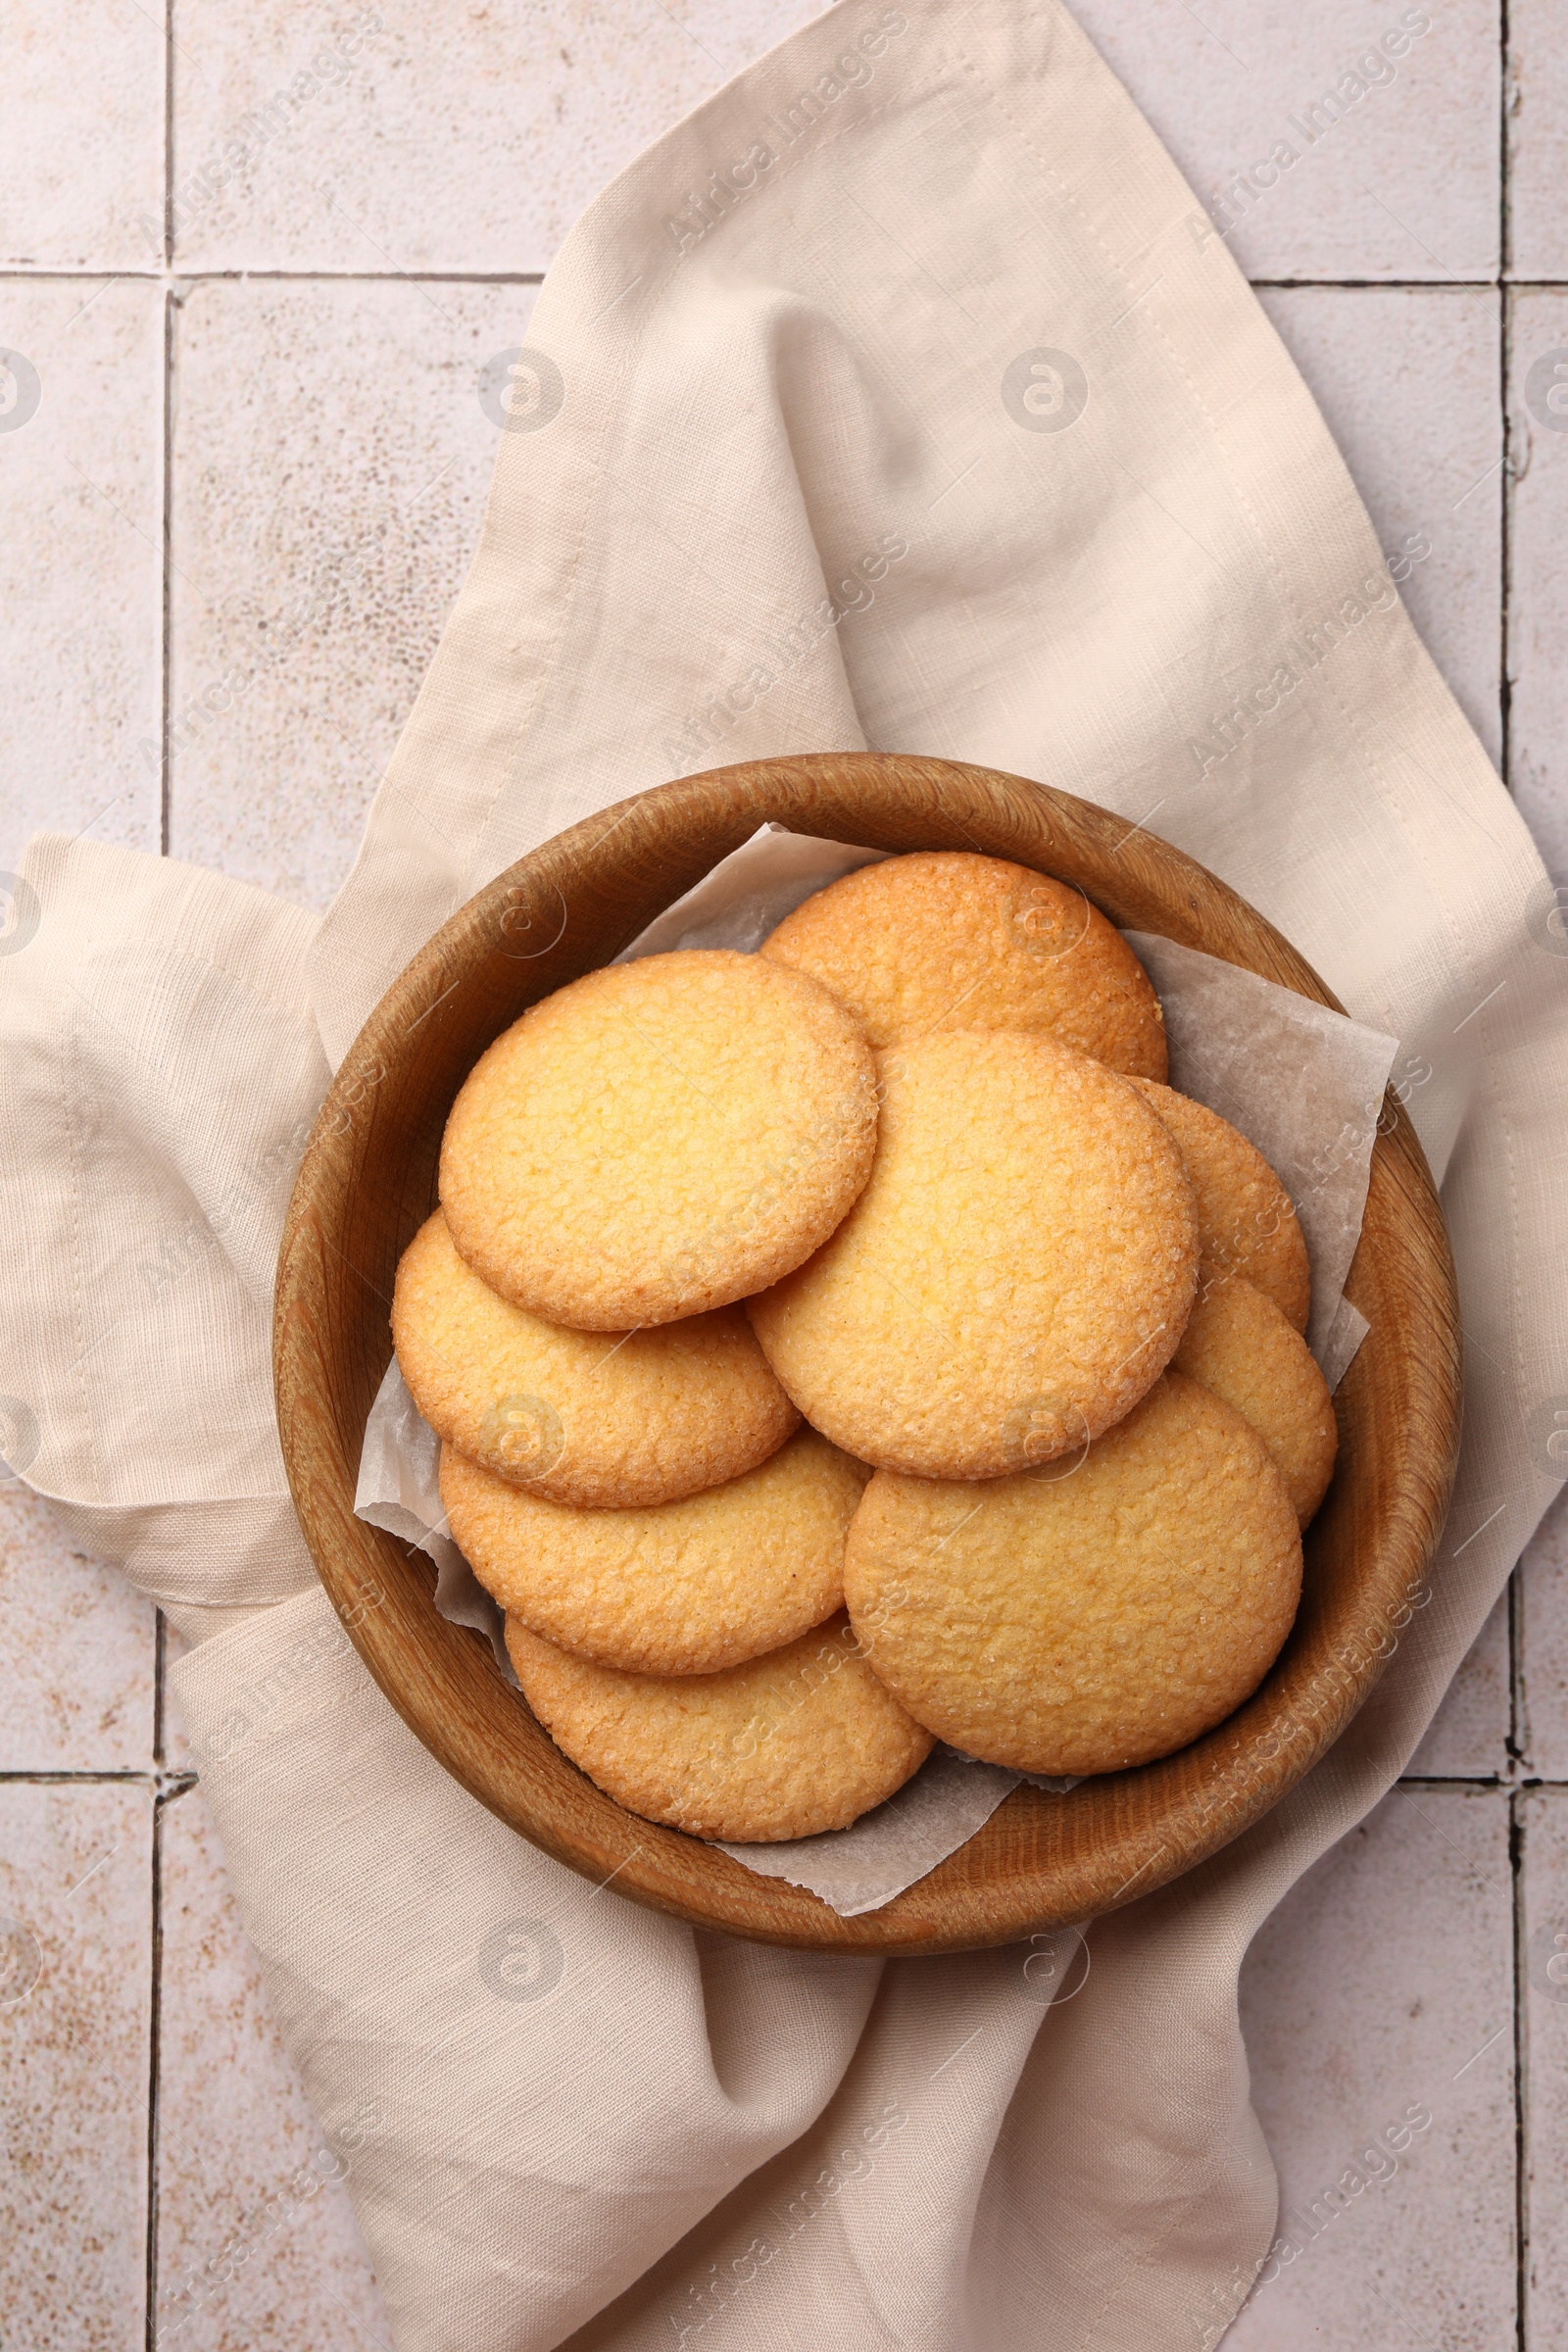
[369, 1178]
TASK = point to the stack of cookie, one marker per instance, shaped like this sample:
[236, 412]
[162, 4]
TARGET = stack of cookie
[858, 1343]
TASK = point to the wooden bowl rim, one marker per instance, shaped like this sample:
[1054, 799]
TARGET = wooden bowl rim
[1159, 1820]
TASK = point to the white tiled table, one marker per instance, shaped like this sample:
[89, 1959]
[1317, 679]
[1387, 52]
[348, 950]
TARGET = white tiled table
[285, 408]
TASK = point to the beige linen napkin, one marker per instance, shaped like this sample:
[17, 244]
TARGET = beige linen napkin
[904, 396]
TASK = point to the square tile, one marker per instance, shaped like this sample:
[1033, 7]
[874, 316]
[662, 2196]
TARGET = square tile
[84, 182]
[1537, 617]
[1383, 2074]
[468, 140]
[81, 398]
[1538, 138]
[257, 2244]
[76, 1982]
[1467, 1739]
[331, 463]
[1396, 168]
[1408, 382]
[79, 1646]
[1544, 1646]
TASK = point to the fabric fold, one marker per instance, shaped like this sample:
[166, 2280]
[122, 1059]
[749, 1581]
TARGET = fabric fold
[161, 1074]
[525, 2082]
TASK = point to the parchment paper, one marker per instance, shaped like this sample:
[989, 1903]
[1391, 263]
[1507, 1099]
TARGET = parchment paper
[1303, 1084]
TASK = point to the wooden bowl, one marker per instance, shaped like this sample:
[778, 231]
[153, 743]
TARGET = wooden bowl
[368, 1180]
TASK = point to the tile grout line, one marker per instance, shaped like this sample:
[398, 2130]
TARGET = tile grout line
[155, 2020]
[1517, 1737]
[167, 614]
[536, 277]
[1516, 1624]
[168, 133]
[1400, 286]
[165, 683]
[1496, 1782]
[1505, 293]
[166, 623]
[1504, 143]
[338, 278]
[155, 2057]
[159, 1656]
[1521, 2103]
[1505, 315]
[1488, 1784]
[1517, 1742]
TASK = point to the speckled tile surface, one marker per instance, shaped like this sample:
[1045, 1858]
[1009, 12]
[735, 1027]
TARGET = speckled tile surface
[1467, 1739]
[468, 139]
[81, 471]
[84, 134]
[1395, 168]
[255, 2227]
[407, 172]
[75, 2007]
[1424, 443]
[1544, 1619]
[1383, 2075]
[80, 1650]
[331, 460]
[1537, 124]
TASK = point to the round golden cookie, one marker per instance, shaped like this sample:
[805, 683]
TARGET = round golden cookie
[582, 1416]
[659, 1138]
[1091, 1621]
[1238, 1343]
[1247, 1221]
[1014, 1276]
[806, 1739]
[685, 1587]
[947, 940]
